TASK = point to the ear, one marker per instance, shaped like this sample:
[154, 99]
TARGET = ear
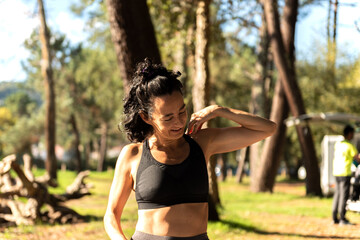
[144, 117]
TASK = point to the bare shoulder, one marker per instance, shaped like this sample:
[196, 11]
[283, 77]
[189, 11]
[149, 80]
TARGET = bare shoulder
[130, 151]
[204, 137]
[129, 156]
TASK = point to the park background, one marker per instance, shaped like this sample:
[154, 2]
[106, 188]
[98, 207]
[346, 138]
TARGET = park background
[229, 62]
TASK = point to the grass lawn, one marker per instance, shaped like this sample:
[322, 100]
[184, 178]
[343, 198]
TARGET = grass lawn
[284, 214]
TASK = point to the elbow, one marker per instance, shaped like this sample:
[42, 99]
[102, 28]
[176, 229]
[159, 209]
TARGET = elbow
[272, 128]
[106, 220]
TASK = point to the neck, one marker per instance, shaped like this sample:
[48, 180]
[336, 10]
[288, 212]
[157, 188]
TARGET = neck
[163, 144]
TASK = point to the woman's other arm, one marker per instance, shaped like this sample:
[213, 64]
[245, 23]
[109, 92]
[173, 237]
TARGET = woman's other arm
[250, 129]
[119, 193]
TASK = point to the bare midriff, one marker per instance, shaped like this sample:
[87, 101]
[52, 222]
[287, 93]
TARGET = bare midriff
[180, 220]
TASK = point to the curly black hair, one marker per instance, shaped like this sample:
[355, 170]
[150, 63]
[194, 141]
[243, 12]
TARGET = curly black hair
[149, 81]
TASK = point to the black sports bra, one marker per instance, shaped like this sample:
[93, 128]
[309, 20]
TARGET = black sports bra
[161, 185]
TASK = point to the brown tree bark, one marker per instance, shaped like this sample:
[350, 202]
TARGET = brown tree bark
[200, 93]
[87, 153]
[47, 73]
[240, 156]
[293, 95]
[336, 4]
[75, 130]
[331, 41]
[133, 35]
[201, 88]
[273, 147]
[257, 105]
[103, 146]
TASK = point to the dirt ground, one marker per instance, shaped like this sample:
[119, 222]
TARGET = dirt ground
[295, 228]
[304, 227]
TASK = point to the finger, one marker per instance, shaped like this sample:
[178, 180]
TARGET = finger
[190, 127]
[194, 127]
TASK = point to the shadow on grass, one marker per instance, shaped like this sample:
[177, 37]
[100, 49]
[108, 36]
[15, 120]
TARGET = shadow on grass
[92, 218]
[236, 225]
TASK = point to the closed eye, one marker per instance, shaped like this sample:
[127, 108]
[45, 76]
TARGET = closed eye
[168, 120]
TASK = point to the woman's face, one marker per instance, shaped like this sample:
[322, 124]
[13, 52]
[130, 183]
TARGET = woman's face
[169, 115]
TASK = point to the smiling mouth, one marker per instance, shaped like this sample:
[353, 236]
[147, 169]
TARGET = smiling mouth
[176, 130]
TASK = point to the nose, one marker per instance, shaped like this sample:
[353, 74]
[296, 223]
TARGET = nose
[179, 121]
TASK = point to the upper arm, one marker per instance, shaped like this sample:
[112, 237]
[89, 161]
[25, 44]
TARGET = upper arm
[122, 182]
[221, 140]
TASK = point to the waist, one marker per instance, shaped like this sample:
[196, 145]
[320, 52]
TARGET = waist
[145, 236]
[181, 220]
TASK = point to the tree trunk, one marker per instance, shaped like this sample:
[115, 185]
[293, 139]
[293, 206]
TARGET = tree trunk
[331, 39]
[201, 88]
[273, 147]
[240, 156]
[336, 4]
[257, 105]
[76, 142]
[103, 146]
[293, 95]
[133, 35]
[222, 161]
[87, 154]
[190, 57]
[200, 94]
[46, 70]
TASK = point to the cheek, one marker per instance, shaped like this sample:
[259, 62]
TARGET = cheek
[161, 125]
[184, 118]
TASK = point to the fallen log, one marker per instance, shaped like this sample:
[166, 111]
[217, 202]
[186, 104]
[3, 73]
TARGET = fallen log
[35, 191]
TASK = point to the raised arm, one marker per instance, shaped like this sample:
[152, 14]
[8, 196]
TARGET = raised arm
[251, 129]
[119, 193]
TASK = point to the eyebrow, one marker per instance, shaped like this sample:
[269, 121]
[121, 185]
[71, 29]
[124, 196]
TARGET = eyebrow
[170, 114]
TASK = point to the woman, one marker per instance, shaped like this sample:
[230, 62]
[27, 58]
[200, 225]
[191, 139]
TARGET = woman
[165, 167]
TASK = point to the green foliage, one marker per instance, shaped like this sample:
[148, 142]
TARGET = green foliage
[321, 95]
[19, 122]
[6, 89]
[20, 104]
[97, 24]
[174, 22]
[6, 120]
[17, 138]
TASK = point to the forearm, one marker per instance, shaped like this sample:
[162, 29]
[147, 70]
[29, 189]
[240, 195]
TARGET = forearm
[246, 119]
[113, 227]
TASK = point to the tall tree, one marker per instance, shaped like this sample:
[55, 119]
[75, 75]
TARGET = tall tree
[331, 41]
[273, 147]
[46, 70]
[132, 34]
[293, 95]
[258, 96]
[200, 93]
